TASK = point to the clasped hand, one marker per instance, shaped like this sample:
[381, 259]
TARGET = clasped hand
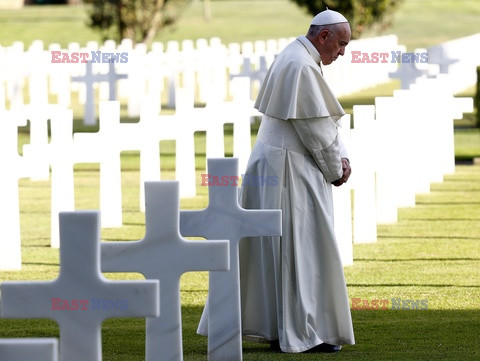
[346, 173]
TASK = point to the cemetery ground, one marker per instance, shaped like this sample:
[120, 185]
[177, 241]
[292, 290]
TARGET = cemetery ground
[431, 254]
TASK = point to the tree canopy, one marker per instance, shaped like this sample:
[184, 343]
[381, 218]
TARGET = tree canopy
[362, 14]
[139, 20]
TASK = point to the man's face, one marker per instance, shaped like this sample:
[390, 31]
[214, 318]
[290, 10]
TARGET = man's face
[334, 43]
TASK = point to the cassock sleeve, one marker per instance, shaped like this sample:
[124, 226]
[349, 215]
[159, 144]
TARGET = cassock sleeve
[321, 138]
[343, 149]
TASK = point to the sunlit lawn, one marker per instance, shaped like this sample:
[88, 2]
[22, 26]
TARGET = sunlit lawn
[432, 253]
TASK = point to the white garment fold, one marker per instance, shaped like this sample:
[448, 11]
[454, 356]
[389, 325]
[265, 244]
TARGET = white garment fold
[292, 287]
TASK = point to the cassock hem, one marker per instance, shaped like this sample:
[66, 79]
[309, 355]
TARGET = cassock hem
[339, 341]
[268, 338]
[306, 347]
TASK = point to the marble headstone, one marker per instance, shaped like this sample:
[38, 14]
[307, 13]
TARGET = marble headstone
[164, 255]
[386, 179]
[104, 147]
[26, 349]
[363, 157]
[81, 298]
[61, 162]
[225, 219]
[408, 74]
[10, 249]
[36, 152]
[342, 205]
[90, 78]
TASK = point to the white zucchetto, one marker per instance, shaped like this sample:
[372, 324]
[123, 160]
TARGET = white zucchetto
[328, 17]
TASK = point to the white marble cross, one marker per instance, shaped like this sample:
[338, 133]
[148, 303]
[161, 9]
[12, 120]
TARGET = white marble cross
[256, 75]
[104, 147]
[138, 74]
[61, 160]
[189, 120]
[10, 249]
[22, 349]
[156, 79]
[240, 111]
[342, 205]
[36, 152]
[409, 167]
[15, 70]
[59, 78]
[408, 73]
[38, 61]
[439, 55]
[225, 219]
[90, 79]
[81, 298]
[386, 174]
[439, 92]
[164, 255]
[152, 128]
[112, 78]
[364, 136]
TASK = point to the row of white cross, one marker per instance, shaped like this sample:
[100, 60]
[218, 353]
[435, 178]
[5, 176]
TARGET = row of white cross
[204, 68]
[394, 157]
[66, 149]
[79, 298]
[408, 110]
[397, 148]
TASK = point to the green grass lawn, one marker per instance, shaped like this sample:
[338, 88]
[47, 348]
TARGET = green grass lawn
[418, 23]
[432, 253]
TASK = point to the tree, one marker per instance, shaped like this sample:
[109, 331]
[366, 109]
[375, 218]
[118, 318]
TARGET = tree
[139, 20]
[361, 14]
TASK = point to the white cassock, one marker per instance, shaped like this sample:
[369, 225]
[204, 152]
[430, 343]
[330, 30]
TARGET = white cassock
[293, 287]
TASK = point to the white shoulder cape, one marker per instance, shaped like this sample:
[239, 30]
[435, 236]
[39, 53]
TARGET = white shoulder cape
[294, 87]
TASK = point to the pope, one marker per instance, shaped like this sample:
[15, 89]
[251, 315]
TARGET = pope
[293, 290]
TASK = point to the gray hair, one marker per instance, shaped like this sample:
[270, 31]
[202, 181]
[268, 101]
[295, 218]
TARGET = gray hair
[314, 30]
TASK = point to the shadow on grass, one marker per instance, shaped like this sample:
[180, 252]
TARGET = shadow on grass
[442, 285]
[427, 237]
[393, 335]
[380, 335]
[40, 264]
[414, 259]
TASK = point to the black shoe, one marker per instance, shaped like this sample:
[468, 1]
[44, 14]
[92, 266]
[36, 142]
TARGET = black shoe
[275, 346]
[325, 348]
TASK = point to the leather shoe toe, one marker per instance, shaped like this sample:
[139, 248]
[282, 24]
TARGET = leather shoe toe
[325, 348]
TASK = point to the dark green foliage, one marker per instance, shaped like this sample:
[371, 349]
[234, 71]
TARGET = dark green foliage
[362, 14]
[139, 20]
